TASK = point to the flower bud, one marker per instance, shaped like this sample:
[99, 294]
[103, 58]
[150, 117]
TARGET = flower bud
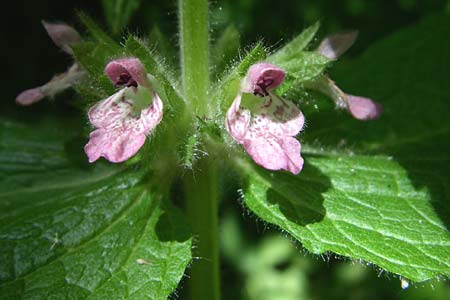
[334, 46]
[62, 35]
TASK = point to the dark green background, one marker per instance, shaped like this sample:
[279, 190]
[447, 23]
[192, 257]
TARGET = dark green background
[29, 57]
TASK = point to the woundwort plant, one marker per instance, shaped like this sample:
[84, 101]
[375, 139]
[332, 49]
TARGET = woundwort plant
[188, 128]
[243, 104]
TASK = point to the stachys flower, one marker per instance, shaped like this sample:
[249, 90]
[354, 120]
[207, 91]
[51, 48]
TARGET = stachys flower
[264, 123]
[124, 120]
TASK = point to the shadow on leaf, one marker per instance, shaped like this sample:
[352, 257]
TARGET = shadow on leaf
[168, 229]
[298, 197]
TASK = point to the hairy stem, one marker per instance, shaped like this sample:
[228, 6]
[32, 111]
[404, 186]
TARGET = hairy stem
[201, 195]
[194, 51]
[201, 186]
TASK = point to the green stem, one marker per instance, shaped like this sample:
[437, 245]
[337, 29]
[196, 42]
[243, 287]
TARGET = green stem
[194, 50]
[201, 186]
[201, 196]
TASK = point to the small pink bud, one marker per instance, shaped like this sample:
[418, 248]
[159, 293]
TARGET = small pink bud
[334, 46]
[261, 78]
[30, 96]
[62, 35]
[363, 108]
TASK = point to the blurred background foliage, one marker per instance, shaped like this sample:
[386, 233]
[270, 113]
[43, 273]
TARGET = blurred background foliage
[30, 58]
[258, 262]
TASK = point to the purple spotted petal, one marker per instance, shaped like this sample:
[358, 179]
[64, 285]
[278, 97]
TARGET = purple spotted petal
[127, 72]
[261, 78]
[268, 132]
[62, 35]
[113, 144]
[110, 111]
[363, 108]
[152, 115]
[334, 46]
[120, 134]
[237, 120]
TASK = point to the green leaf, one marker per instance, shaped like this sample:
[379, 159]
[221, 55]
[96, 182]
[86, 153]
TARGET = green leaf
[296, 46]
[376, 191]
[300, 65]
[225, 49]
[305, 66]
[97, 33]
[70, 230]
[119, 12]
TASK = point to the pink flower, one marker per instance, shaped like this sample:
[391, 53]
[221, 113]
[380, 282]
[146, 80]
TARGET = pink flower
[123, 120]
[64, 37]
[265, 124]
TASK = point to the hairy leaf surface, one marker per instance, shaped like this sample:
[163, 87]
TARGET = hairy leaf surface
[69, 230]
